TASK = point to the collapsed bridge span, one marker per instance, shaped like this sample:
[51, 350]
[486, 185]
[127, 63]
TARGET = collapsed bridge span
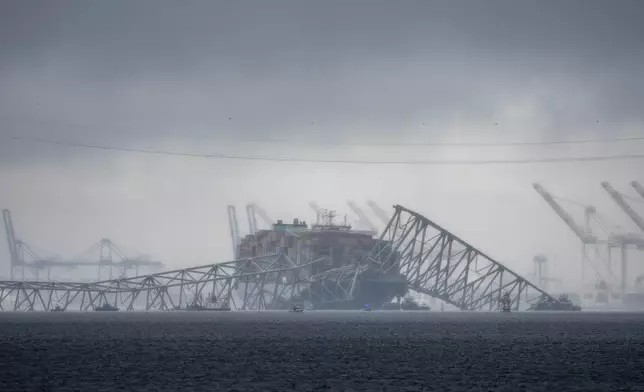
[333, 267]
[258, 283]
[432, 261]
[438, 263]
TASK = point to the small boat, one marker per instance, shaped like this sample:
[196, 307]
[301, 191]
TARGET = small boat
[296, 309]
[201, 308]
[410, 303]
[212, 304]
[406, 304]
[562, 304]
[366, 308]
[106, 308]
[57, 309]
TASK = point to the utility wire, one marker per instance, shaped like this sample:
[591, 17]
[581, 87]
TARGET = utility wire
[345, 161]
[441, 144]
[290, 141]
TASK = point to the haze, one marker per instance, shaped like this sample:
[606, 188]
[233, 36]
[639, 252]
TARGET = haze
[231, 76]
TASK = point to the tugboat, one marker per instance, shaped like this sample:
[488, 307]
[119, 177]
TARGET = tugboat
[296, 309]
[57, 309]
[562, 304]
[410, 303]
[106, 308]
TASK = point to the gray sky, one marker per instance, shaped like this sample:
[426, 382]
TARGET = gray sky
[226, 77]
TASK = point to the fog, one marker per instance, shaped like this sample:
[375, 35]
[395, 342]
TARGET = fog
[314, 81]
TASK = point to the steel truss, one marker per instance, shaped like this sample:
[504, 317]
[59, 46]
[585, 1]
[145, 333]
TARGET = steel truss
[438, 263]
[266, 282]
[334, 286]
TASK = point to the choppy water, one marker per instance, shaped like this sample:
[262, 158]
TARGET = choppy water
[338, 351]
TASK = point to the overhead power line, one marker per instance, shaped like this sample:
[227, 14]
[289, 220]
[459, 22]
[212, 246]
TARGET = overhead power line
[346, 161]
[330, 142]
[442, 144]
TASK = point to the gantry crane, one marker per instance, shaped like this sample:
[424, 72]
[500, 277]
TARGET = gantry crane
[23, 257]
[540, 272]
[625, 240]
[614, 240]
[362, 217]
[111, 256]
[262, 214]
[14, 259]
[234, 230]
[17, 248]
[252, 219]
[619, 199]
[380, 213]
[586, 236]
[252, 210]
[584, 233]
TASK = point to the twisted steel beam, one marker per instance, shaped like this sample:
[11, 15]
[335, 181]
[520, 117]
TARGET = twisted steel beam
[438, 263]
[265, 282]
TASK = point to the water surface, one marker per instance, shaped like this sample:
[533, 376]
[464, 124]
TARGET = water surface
[321, 350]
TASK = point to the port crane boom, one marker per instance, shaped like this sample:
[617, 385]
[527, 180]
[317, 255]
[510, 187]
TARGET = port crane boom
[262, 214]
[11, 238]
[638, 188]
[252, 219]
[363, 219]
[619, 199]
[24, 257]
[380, 213]
[234, 229]
[319, 211]
[586, 238]
[315, 207]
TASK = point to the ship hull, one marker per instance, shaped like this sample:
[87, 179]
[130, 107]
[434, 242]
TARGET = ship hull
[369, 291]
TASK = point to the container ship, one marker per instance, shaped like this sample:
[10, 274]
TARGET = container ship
[341, 245]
